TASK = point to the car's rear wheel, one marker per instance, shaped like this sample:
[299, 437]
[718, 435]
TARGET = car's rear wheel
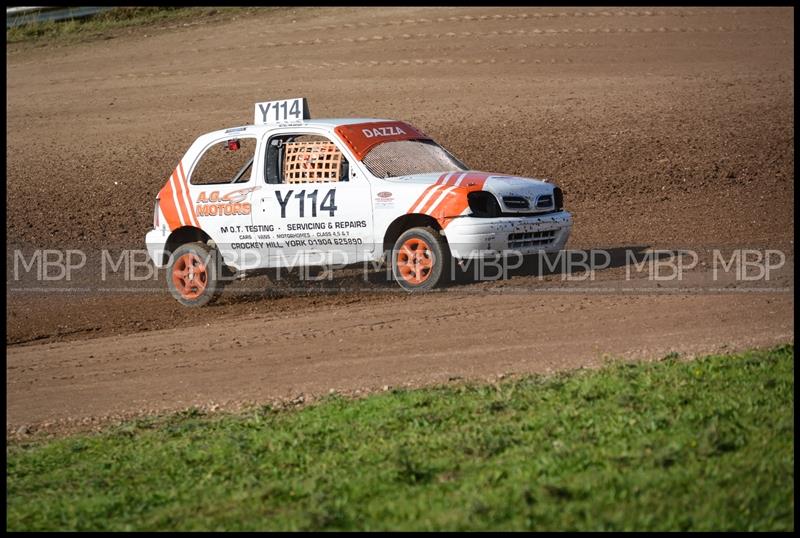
[420, 259]
[194, 274]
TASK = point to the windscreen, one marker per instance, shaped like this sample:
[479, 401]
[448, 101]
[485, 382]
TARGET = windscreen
[407, 157]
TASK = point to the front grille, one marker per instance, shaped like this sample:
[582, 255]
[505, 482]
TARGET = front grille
[515, 202]
[531, 239]
[483, 204]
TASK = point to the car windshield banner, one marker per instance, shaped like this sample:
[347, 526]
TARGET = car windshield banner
[362, 137]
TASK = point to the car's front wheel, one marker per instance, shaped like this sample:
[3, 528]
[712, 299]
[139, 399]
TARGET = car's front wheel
[194, 274]
[420, 259]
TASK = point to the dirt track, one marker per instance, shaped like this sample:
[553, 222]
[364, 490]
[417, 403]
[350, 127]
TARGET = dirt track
[665, 127]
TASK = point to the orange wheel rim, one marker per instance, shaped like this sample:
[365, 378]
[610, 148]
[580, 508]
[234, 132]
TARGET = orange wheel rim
[415, 261]
[190, 276]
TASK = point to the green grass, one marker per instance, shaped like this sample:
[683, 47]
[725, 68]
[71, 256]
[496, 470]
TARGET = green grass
[104, 22]
[702, 445]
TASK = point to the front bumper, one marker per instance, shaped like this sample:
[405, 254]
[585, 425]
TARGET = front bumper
[473, 237]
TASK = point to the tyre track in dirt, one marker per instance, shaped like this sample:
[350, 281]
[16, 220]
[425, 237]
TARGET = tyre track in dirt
[497, 17]
[67, 386]
[420, 37]
[519, 32]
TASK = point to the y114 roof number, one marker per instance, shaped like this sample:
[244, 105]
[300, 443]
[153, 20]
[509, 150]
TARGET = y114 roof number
[292, 110]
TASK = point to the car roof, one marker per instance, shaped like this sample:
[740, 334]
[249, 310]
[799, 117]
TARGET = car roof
[327, 123]
[335, 122]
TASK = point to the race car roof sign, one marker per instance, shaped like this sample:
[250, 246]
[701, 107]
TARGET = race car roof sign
[281, 112]
[362, 137]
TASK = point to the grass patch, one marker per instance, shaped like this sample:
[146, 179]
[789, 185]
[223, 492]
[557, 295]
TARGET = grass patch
[697, 445]
[101, 24]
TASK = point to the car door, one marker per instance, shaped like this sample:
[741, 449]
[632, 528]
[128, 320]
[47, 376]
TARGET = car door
[318, 205]
[221, 183]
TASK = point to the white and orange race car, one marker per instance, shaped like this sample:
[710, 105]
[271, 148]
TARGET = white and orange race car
[290, 191]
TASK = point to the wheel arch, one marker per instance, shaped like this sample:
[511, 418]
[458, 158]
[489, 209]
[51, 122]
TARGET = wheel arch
[406, 222]
[181, 236]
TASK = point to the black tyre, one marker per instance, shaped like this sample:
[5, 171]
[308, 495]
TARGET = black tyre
[420, 259]
[195, 274]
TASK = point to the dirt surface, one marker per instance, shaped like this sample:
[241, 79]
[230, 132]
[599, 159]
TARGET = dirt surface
[665, 127]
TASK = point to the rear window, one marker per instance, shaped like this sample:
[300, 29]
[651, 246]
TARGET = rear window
[225, 161]
[408, 157]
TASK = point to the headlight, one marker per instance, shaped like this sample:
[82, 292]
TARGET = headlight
[483, 204]
[559, 199]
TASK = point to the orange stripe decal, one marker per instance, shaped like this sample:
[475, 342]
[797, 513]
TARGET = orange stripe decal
[181, 203]
[414, 208]
[447, 198]
[167, 205]
[457, 202]
[445, 191]
[185, 183]
[433, 199]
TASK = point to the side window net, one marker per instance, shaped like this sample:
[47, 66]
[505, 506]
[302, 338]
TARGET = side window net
[311, 162]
